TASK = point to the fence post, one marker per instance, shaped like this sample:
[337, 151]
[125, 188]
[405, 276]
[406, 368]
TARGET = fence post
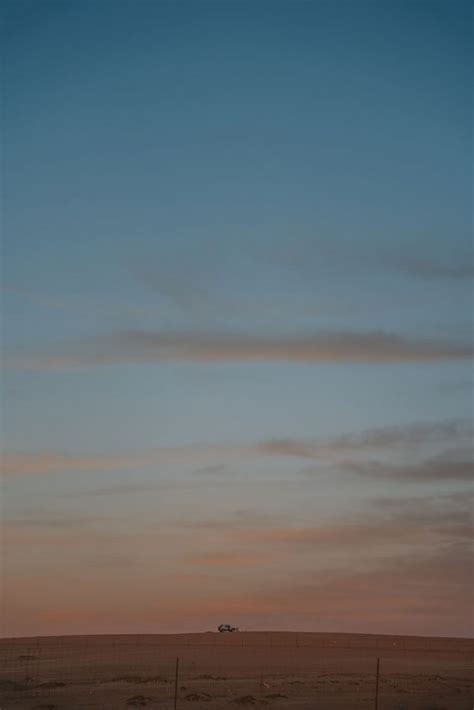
[377, 685]
[176, 684]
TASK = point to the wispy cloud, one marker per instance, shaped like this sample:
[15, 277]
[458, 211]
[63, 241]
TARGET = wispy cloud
[452, 432]
[80, 306]
[447, 501]
[58, 462]
[181, 285]
[25, 533]
[219, 347]
[52, 522]
[427, 269]
[230, 559]
[424, 521]
[448, 466]
[408, 436]
[308, 258]
[121, 489]
[36, 298]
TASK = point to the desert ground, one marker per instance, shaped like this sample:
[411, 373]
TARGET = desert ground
[304, 671]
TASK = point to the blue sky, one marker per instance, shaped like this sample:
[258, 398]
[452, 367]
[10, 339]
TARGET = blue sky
[228, 224]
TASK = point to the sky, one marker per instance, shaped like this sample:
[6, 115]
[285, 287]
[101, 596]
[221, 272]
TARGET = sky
[237, 316]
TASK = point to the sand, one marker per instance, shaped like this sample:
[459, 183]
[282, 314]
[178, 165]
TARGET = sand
[304, 671]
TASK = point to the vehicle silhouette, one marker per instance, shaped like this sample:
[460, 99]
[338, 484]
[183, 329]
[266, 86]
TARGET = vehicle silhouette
[227, 628]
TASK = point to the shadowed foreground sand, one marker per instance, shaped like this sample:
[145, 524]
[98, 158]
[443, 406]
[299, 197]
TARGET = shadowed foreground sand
[305, 671]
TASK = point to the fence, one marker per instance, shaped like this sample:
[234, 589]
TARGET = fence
[286, 671]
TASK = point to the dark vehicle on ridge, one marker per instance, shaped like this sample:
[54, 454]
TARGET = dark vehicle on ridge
[227, 628]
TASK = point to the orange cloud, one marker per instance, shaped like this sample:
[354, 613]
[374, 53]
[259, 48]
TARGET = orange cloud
[230, 559]
[57, 462]
[154, 347]
[23, 533]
